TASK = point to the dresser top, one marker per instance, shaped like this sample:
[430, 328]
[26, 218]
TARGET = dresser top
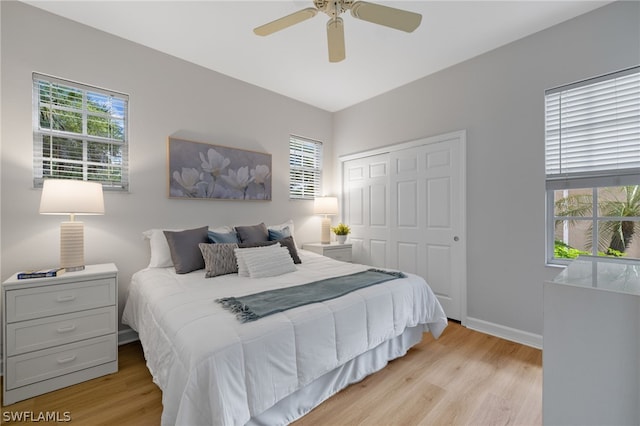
[603, 273]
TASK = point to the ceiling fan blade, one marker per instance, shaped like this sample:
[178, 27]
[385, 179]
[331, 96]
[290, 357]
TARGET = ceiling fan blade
[335, 37]
[286, 21]
[384, 15]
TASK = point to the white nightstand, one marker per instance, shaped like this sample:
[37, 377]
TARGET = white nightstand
[59, 331]
[335, 251]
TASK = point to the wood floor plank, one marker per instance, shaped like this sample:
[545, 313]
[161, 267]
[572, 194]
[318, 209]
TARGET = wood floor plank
[463, 378]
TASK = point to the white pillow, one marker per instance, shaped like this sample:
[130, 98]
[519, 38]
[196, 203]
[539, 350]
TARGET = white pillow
[243, 271]
[160, 253]
[265, 263]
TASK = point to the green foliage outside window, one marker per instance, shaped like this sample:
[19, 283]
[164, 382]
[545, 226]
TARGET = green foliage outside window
[614, 235]
[565, 251]
[82, 133]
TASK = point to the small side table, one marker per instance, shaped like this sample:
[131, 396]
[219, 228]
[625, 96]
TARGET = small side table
[340, 252]
[59, 331]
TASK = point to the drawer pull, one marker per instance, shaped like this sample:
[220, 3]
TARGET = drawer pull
[67, 359]
[69, 298]
[66, 329]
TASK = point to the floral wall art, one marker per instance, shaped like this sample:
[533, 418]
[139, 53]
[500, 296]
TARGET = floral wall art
[199, 170]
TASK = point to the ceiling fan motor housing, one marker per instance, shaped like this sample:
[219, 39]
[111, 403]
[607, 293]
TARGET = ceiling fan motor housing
[333, 8]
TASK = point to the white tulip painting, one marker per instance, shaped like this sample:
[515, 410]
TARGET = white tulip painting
[198, 170]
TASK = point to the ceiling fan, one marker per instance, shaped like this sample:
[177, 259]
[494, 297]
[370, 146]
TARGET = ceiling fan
[378, 14]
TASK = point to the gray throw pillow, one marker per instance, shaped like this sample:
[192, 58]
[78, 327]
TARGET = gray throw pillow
[291, 246]
[256, 244]
[252, 234]
[219, 259]
[185, 252]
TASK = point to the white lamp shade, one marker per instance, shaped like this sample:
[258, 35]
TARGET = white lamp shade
[325, 205]
[63, 196]
[71, 197]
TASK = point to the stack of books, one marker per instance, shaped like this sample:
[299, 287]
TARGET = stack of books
[41, 273]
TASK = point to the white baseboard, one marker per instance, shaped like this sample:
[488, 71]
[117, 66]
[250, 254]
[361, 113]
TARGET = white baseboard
[126, 336]
[507, 333]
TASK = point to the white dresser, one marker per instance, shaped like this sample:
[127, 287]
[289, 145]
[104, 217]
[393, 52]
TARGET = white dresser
[340, 252]
[59, 331]
[591, 356]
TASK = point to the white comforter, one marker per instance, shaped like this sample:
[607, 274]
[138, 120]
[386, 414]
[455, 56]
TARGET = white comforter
[212, 369]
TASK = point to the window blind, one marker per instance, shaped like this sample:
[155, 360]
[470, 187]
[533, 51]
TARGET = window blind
[305, 168]
[592, 130]
[80, 132]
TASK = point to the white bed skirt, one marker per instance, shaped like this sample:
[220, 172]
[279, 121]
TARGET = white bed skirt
[315, 393]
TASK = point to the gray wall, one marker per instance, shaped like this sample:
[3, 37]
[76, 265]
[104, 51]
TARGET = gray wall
[498, 97]
[168, 97]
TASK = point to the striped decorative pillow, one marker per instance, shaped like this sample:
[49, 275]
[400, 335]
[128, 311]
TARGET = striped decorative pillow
[243, 271]
[269, 261]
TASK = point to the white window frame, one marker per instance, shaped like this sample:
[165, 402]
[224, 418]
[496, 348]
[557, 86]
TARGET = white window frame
[305, 168]
[586, 164]
[40, 134]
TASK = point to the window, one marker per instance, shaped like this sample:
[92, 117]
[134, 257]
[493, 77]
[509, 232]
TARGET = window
[305, 168]
[80, 132]
[592, 147]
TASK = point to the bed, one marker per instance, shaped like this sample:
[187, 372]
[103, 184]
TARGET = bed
[214, 370]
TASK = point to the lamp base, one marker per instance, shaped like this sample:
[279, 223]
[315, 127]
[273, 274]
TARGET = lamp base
[74, 269]
[72, 246]
[325, 231]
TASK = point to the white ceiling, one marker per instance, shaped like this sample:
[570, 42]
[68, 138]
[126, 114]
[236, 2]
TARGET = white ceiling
[293, 62]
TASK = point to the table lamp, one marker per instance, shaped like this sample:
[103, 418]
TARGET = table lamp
[325, 206]
[72, 197]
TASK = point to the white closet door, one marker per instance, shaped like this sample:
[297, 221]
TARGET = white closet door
[366, 208]
[426, 217]
[407, 211]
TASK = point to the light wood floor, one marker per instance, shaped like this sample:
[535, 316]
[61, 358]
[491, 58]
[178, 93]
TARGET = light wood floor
[463, 378]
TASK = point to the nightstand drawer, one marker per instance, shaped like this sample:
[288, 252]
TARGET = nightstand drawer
[31, 303]
[33, 335]
[37, 366]
[342, 254]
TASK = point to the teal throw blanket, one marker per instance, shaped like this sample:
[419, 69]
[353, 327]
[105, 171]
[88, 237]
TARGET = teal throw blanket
[259, 305]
